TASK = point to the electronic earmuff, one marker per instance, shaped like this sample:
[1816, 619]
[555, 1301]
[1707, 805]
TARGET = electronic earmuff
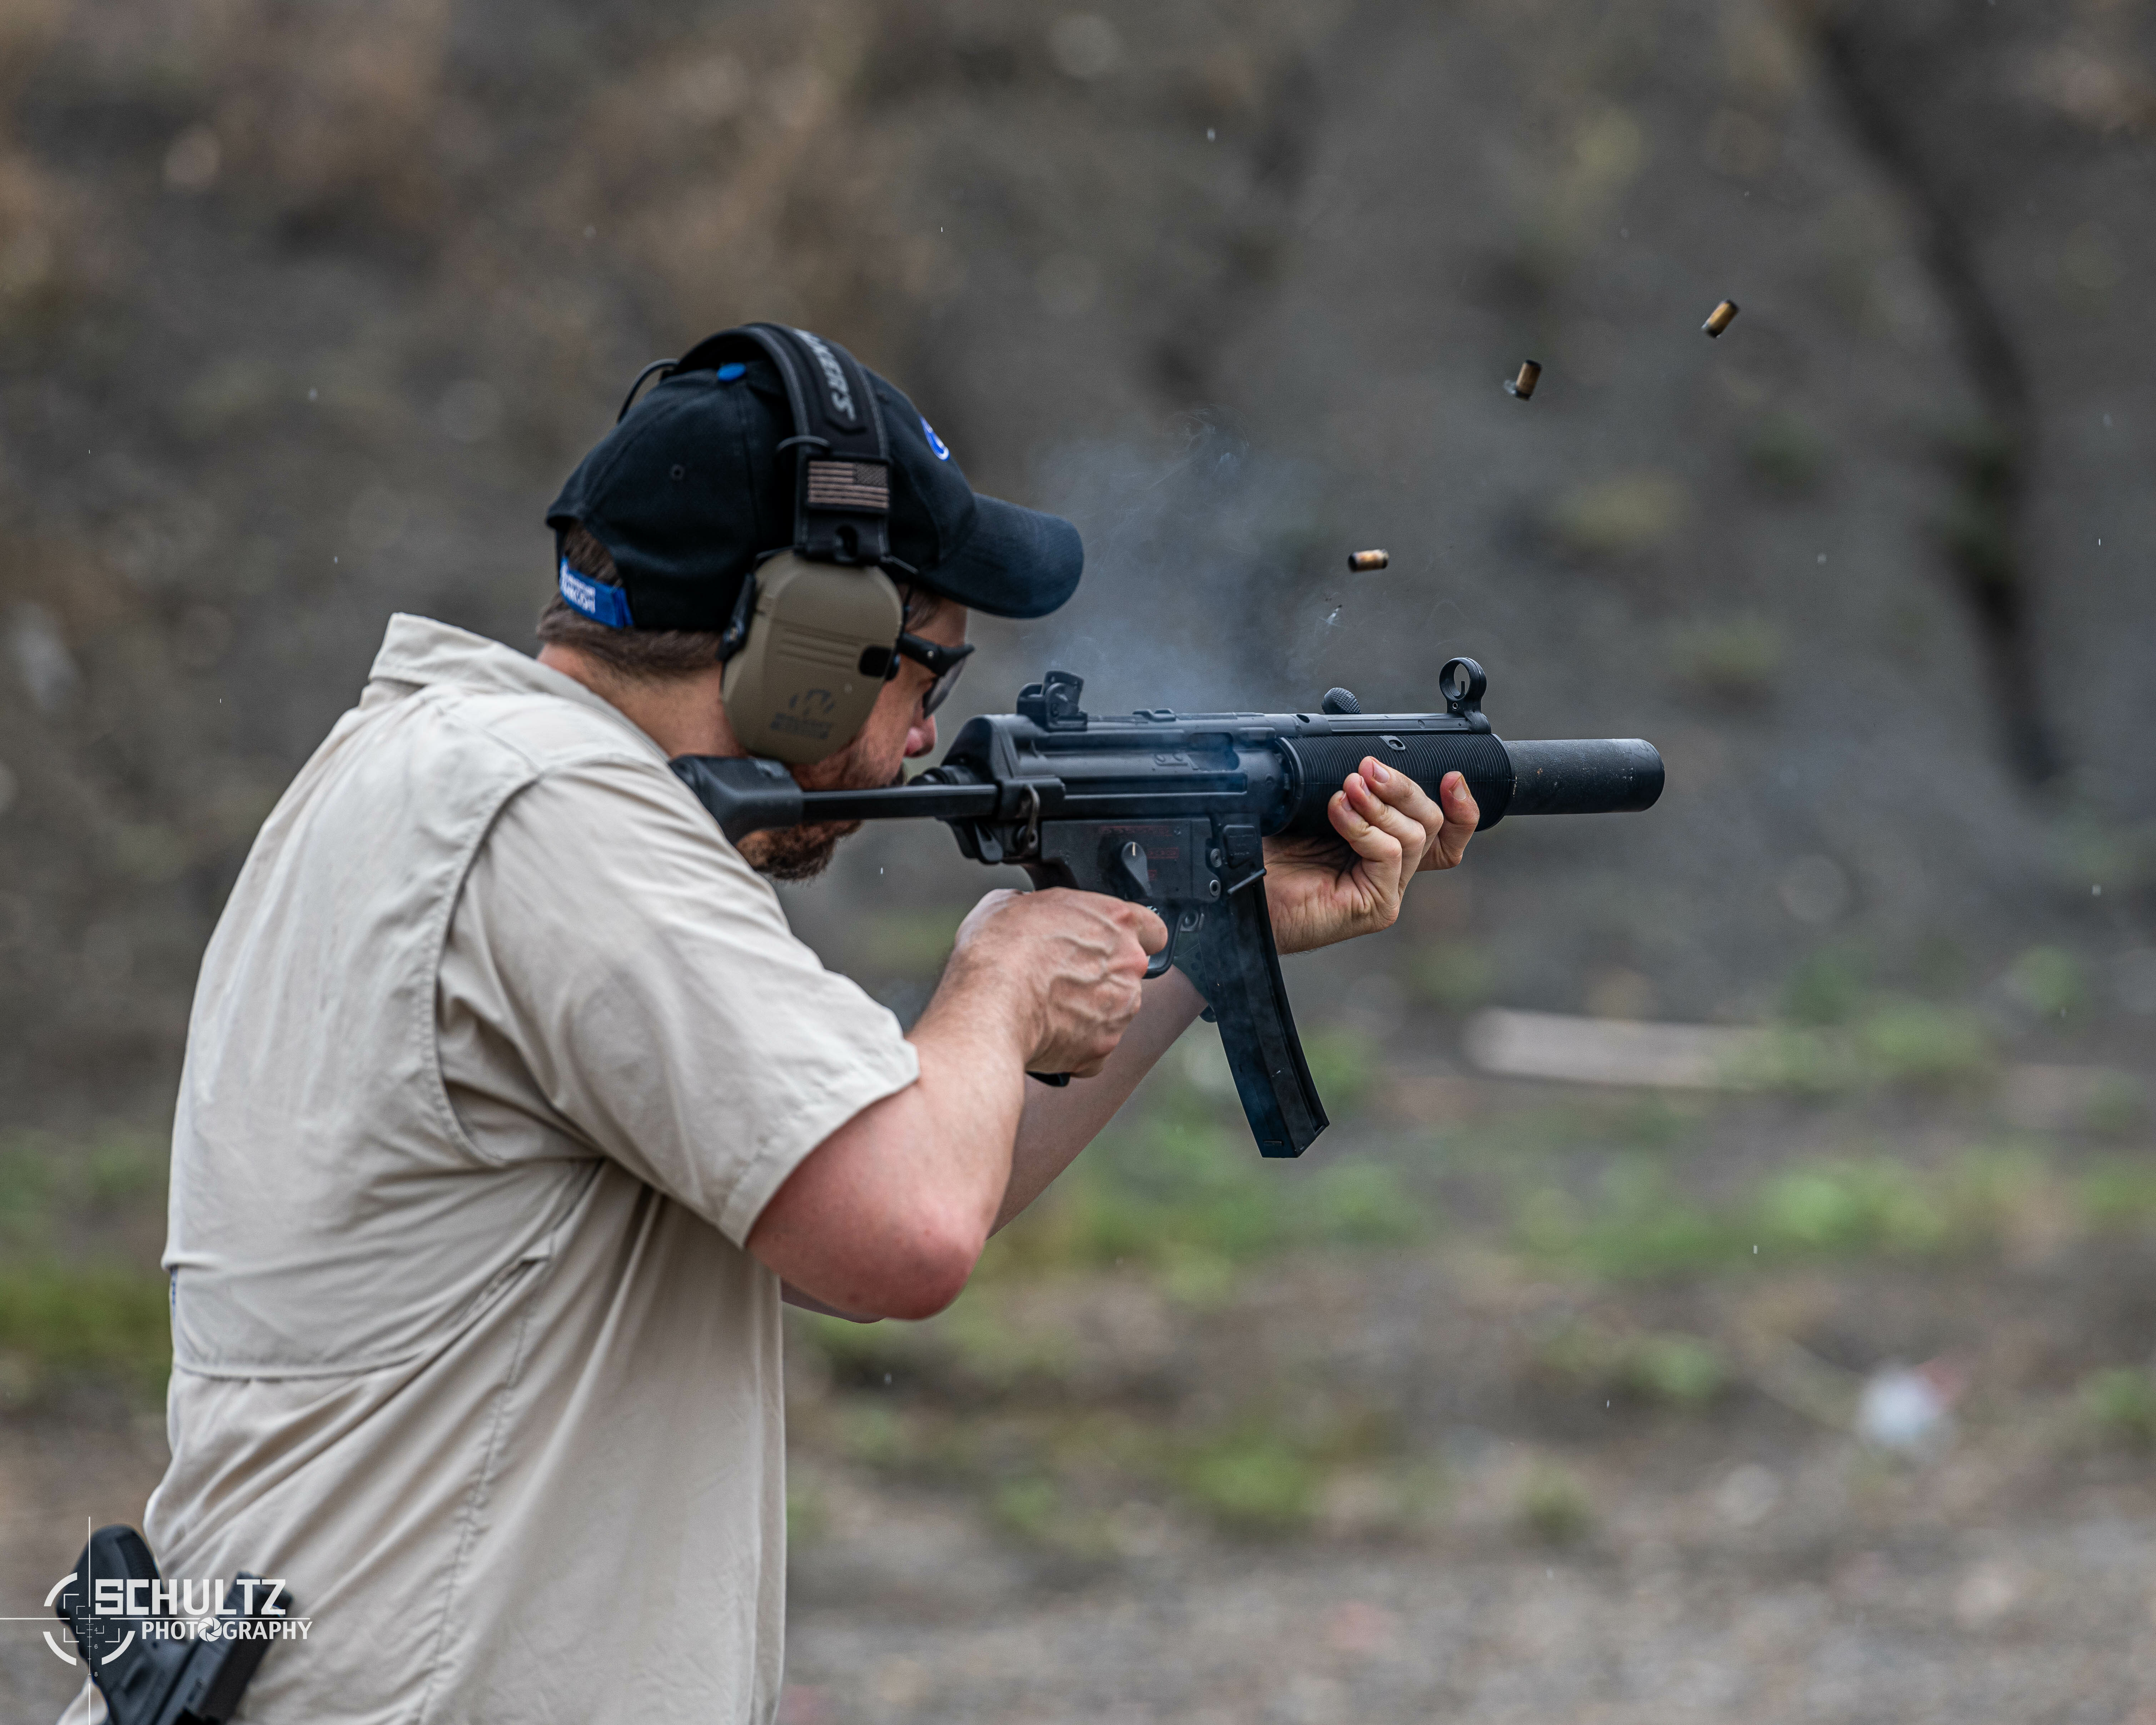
[813, 634]
[812, 657]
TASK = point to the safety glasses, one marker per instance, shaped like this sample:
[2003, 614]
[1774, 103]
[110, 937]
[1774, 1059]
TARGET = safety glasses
[942, 663]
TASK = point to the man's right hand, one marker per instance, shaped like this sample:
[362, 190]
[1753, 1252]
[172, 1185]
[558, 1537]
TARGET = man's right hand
[1069, 965]
[886, 1216]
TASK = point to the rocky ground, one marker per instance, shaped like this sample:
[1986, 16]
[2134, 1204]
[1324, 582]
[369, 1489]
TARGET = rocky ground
[1515, 1402]
[1517, 1502]
[2040, 1611]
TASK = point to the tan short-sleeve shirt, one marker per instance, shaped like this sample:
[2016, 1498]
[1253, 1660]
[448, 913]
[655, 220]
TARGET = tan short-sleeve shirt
[498, 1051]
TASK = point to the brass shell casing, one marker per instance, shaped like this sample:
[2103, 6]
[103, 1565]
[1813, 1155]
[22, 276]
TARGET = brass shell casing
[1362, 562]
[1523, 385]
[1719, 319]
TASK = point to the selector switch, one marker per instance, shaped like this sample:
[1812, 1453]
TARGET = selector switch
[1137, 878]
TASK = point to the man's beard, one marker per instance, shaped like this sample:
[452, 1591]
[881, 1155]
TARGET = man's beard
[803, 853]
[796, 853]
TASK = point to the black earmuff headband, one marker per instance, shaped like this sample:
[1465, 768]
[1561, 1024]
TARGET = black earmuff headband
[842, 476]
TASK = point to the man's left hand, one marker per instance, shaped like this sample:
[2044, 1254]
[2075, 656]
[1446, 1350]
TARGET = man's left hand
[1320, 891]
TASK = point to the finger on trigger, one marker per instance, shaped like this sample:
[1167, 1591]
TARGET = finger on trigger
[1153, 932]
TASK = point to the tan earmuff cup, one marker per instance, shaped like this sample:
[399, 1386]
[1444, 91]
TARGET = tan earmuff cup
[796, 692]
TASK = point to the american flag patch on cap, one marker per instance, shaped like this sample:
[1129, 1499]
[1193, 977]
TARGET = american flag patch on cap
[849, 484]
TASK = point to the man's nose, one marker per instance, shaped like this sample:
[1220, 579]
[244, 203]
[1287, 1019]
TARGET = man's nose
[922, 738]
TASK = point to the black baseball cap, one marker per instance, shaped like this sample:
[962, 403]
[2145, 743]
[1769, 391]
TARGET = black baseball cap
[690, 490]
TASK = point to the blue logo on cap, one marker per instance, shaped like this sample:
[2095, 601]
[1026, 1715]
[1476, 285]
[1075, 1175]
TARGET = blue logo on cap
[935, 442]
[732, 369]
[597, 600]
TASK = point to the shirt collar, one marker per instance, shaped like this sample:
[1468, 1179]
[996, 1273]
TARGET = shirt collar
[420, 651]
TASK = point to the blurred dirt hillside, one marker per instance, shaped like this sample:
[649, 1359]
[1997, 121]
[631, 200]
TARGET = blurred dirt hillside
[305, 310]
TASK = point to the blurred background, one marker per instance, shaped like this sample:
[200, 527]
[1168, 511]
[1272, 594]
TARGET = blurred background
[1728, 1282]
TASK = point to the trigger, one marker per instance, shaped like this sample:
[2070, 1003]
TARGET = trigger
[1159, 964]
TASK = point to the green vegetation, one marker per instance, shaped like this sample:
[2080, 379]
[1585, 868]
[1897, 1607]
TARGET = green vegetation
[47, 1181]
[1844, 1040]
[71, 1315]
[2119, 1106]
[1007, 1398]
[1670, 1369]
[1253, 1481]
[1553, 1506]
[1030, 1507]
[1620, 518]
[1177, 1190]
[906, 1441]
[1640, 1230]
[124, 1172]
[1787, 454]
[1454, 975]
[1364, 1203]
[2120, 1405]
[63, 1321]
[807, 1513]
[1341, 1066]
[1918, 1042]
[1637, 1226]
[27, 1183]
[1050, 1479]
[1844, 1209]
[1829, 987]
[2048, 980]
[1734, 660]
[907, 943]
[2117, 1197]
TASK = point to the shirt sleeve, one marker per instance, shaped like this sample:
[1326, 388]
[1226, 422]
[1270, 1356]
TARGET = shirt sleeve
[613, 962]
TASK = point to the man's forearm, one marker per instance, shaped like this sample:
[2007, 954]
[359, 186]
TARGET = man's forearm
[1058, 1123]
[886, 1217]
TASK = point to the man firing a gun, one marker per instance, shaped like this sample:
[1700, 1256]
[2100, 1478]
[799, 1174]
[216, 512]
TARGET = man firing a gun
[512, 1109]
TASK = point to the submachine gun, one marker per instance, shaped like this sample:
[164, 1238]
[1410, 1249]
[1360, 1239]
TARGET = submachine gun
[1171, 810]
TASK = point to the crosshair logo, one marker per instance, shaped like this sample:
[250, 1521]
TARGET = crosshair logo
[61, 1653]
